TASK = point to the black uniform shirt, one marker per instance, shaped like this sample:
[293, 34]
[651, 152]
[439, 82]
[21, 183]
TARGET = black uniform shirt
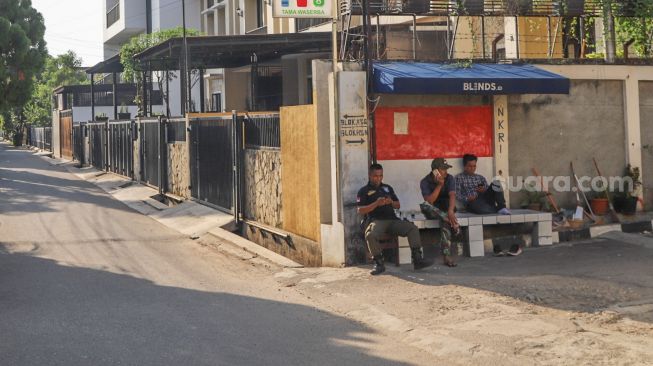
[369, 194]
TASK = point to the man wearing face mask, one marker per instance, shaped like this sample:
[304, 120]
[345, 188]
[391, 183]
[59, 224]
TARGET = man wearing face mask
[377, 202]
[439, 192]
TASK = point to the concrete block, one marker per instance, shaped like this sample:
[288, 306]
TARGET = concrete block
[602, 229]
[489, 220]
[503, 219]
[545, 216]
[555, 237]
[476, 248]
[431, 224]
[404, 255]
[544, 240]
[463, 221]
[516, 219]
[544, 228]
[475, 233]
[531, 217]
[475, 221]
[403, 242]
[420, 224]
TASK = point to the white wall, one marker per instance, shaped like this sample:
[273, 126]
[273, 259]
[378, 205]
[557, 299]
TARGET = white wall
[168, 14]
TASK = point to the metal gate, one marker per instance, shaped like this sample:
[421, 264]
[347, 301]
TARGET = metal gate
[66, 133]
[78, 142]
[121, 156]
[213, 161]
[97, 144]
[152, 155]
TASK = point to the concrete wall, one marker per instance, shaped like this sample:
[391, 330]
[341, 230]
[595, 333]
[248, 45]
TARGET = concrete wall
[646, 121]
[236, 89]
[263, 189]
[549, 131]
[178, 169]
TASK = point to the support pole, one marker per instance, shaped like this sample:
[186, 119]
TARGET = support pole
[114, 80]
[92, 97]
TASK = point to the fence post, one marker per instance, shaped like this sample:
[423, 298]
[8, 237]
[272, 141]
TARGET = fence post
[160, 151]
[106, 146]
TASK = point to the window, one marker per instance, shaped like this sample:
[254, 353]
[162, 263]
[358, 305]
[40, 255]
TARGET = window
[216, 102]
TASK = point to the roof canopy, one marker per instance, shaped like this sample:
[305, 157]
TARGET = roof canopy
[107, 66]
[483, 79]
[231, 51]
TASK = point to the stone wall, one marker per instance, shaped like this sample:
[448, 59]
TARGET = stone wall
[263, 186]
[178, 169]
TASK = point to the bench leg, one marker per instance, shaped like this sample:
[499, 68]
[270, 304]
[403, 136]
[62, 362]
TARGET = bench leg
[542, 233]
[474, 240]
[404, 251]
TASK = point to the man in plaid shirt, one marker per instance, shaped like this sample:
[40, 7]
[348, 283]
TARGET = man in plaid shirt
[479, 197]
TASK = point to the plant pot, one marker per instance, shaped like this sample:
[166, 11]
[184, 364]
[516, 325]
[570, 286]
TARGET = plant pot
[534, 206]
[599, 206]
[124, 116]
[101, 119]
[630, 206]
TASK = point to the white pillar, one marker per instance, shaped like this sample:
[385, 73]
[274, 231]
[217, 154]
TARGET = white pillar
[501, 156]
[633, 126]
[511, 37]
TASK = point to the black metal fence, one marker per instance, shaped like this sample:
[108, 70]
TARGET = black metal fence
[121, 148]
[175, 130]
[79, 141]
[40, 137]
[152, 152]
[97, 144]
[262, 130]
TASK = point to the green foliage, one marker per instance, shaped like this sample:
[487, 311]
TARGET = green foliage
[142, 42]
[22, 51]
[61, 70]
[639, 29]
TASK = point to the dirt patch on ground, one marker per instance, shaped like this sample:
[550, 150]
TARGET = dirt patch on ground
[587, 303]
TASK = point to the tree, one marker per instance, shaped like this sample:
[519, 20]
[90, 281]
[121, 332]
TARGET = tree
[61, 70]
[139, 44]
[22, 52]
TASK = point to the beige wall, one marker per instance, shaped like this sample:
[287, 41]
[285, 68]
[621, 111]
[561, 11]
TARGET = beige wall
[301, 203]
[646, 121]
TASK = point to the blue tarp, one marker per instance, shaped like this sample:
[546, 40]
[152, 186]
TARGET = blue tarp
[484, 79]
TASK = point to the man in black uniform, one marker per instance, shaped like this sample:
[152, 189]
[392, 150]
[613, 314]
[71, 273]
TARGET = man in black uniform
[377, 202]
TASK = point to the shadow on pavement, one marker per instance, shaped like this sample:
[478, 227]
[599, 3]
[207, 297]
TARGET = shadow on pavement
[81, 316]
[584, 276]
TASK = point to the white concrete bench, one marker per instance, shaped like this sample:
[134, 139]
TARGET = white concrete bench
[472, 225]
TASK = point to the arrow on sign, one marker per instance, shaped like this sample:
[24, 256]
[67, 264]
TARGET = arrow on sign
[355, 141]
[348, 116]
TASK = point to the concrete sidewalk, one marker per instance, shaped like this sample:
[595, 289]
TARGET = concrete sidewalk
[197, 221]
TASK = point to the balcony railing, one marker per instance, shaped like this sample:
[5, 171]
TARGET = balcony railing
[113, 15]
[305, 23]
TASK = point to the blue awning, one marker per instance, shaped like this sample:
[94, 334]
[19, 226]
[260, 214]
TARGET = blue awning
[433, 78]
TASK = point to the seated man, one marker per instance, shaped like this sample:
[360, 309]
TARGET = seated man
[377, 201]
[472, 190]
[439, 191]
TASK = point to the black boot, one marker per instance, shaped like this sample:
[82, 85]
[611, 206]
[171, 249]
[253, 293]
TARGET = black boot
[418, 261]
[378, 265]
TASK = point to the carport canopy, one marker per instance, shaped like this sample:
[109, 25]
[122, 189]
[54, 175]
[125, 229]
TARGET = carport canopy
[475, 78]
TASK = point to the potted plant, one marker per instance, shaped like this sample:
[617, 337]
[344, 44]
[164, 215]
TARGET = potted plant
[533, 199]
[102, 117]
[124, 113]
[599, 200]
[625, 200]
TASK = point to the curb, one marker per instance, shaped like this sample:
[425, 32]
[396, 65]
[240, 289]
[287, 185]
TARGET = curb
[596, 231]
[254, 248]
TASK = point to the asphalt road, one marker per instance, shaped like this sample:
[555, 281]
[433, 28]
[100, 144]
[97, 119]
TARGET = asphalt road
[84, 280]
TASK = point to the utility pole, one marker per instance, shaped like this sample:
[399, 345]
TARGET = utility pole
[184, 63]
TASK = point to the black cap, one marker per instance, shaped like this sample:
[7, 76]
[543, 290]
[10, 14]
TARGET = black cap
[439, 163]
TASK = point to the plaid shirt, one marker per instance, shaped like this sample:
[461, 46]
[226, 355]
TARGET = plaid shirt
[466, 185]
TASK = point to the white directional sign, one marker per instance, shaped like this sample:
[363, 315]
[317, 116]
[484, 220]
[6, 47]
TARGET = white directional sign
[302, 8]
